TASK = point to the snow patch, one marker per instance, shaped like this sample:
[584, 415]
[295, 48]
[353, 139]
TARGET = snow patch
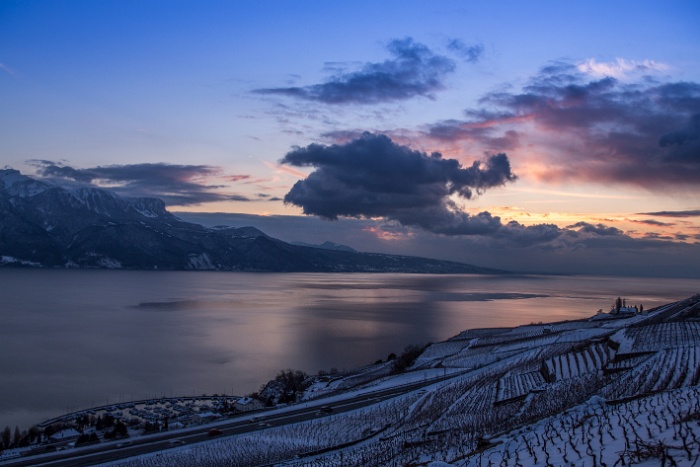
[109, 263]
[624, 339]
[200, 261]
[13, 260]
[20, 185]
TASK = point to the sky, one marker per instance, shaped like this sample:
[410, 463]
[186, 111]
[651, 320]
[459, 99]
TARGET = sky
[542, 136]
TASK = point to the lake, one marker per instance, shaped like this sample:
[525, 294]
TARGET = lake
[74, 339]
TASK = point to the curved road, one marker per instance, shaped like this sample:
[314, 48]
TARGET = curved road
[101, 453]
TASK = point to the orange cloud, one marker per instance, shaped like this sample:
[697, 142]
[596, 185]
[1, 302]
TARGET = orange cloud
[278, 168]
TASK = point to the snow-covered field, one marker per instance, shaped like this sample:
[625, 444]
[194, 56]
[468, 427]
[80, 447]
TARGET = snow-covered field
[606, 391]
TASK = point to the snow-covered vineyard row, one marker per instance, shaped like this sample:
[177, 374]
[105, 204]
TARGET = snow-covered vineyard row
[666, 369]
[665, 335]
[571, 364]
[519, 385]
[604, 391]
[662, 428]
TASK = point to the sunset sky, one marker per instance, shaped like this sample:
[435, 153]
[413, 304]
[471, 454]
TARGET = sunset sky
[548, 136]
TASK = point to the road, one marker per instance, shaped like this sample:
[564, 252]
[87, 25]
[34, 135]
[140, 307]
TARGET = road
[108, 452]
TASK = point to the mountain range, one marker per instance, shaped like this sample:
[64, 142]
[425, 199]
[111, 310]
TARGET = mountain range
[46, 225]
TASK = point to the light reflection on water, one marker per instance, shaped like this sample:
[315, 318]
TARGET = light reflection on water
[76, 339]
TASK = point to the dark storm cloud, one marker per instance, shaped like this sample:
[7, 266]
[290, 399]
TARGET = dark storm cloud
[451, 130]
[684, 144]
[568, 242]
[519, 235]
[342, 136]
[658, 236]
[413, 71]
[597, 229]
[582, 235]
[372, 176]
[551, 237]
[690, 213]
[235, 198]
[52, 170]
[179, 185]
[644, 133]
[470, 53]
[654, 223]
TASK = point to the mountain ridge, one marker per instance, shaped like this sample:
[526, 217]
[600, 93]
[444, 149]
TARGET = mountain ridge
[46, 225]
[327, 245]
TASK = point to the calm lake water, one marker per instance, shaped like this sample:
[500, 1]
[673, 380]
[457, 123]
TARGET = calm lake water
[72, 339]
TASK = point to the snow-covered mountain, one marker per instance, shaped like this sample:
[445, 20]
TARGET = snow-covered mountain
[15, 184]
[43, 224]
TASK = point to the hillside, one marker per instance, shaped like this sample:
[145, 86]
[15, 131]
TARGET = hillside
[614, 389]
[45, 225]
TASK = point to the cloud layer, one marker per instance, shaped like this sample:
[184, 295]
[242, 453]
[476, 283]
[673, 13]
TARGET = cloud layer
[178, 185]
[566, 126]
[469, 53]
[413, 71]
[372, 176]
[620, 68]
[689, 213]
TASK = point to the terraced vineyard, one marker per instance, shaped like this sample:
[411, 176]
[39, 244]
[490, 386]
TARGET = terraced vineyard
[609, 390]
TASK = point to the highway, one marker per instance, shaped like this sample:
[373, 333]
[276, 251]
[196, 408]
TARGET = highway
[239, 424]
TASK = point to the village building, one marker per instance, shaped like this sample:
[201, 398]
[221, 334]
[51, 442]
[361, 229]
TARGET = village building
[245, 404]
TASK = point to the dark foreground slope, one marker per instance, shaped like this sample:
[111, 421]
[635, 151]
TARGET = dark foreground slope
[615, 389]
[46, 225]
